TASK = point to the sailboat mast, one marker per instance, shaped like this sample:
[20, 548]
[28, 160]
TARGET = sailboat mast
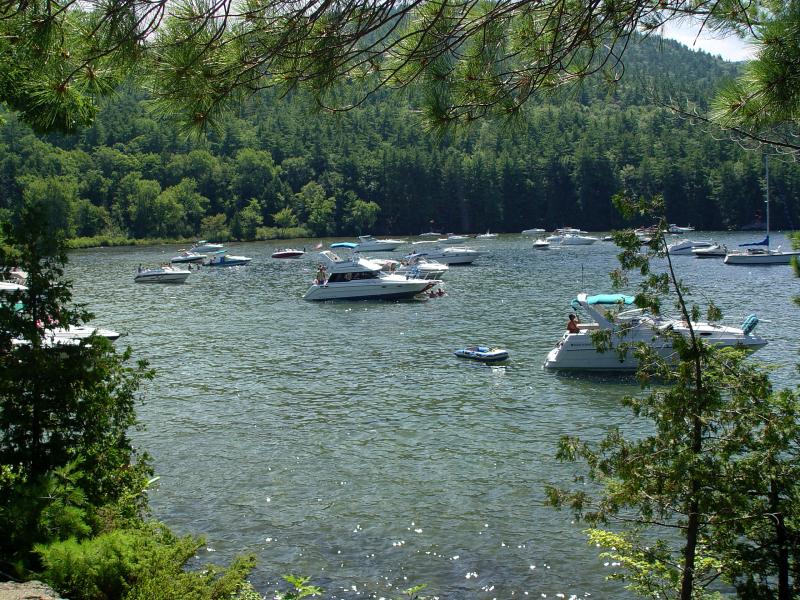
[766, 165]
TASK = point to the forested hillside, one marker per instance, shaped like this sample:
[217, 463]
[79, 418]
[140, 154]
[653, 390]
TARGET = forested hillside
[280, 167]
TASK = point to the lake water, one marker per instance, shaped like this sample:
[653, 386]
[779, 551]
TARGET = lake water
[344, 441]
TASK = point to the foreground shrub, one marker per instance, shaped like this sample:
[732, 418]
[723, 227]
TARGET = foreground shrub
[138, 564]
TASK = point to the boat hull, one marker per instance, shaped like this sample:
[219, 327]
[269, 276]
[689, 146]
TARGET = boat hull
[577, 353]
[773, 258]
[355, 290]
[175, 277]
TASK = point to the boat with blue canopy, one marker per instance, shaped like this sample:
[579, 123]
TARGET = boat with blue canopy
[628, 327]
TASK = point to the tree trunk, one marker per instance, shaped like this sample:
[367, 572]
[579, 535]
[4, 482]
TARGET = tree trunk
[784, 591]
[693, 526]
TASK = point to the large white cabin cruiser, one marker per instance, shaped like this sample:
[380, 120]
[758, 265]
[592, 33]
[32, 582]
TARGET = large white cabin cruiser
[361, 279]
[577, 352]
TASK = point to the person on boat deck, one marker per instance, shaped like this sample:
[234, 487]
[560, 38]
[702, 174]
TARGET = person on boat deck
[320, 278]
[572, 324]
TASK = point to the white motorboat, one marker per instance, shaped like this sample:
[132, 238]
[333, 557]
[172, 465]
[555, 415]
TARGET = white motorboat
[435, 234]
[754, 254]
[75, 334]
[58, 336]
[361, 279]
[541, 244]
[486, 236]
[288, 253]
[574, 239]
[221, 259]
[14, 275]
[204, 247]
[163, 274]
[367, 243]
[413, 265]
[577, 352]
[188, 257]
[452, 238]
[534, 231]
[677, 229]
[713, 251]
[452, 255]
[686, 246]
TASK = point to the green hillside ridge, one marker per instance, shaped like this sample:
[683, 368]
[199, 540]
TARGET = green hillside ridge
[279, 168]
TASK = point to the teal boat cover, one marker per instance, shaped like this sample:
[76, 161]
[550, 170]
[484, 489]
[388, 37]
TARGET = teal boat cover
[610, 299]
[605, 299]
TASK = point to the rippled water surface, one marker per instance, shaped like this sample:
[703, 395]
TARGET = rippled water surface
[344, 440]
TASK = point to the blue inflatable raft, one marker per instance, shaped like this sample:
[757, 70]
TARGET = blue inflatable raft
[482, 353]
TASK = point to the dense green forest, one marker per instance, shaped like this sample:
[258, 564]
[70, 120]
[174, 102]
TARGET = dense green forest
[279, 167]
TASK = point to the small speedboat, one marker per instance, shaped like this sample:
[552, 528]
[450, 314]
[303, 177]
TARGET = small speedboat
[452, 238]
[715, 251]
[367, 243]
[188, 257]
[541, 245]
[220, 259]
[288, 253]
[486, 236]
[203, 246]
[533, 231]
[165, 274]
[482, 353]
[687, 246]
[574, 239]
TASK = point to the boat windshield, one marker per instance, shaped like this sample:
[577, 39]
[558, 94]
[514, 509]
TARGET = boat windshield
[350, 276]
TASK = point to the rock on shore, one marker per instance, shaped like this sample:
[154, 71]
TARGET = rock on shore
[29, 590]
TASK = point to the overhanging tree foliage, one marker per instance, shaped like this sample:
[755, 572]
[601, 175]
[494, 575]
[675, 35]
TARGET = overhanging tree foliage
[472, 58]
